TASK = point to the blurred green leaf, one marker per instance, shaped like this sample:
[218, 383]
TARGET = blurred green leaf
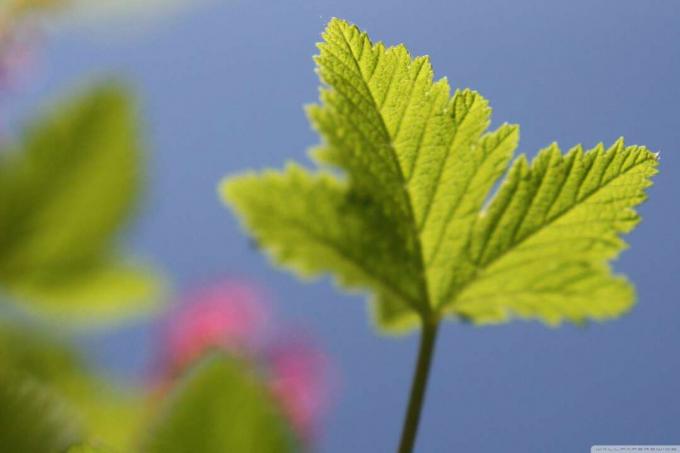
[66, 191]
[32, 418]
[25, 350]
[220, 406]
[87, 449]
[106, 414]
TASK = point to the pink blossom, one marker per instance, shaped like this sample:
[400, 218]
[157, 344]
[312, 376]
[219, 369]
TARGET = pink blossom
[16, 46]
[228, 315]
[299, 380]
[233, 317]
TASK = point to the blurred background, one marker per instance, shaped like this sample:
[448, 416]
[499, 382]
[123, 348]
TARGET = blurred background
[221, 87]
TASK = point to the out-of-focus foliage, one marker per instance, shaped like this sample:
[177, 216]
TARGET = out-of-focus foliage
[15, 9]
[33, 419]
[104, 10]
[67, 187]
[410, 220]
[93, 14]
[232, 316]
[84, 448]
[268, 395]
[69, 183]
[221, 406]
[104, 413]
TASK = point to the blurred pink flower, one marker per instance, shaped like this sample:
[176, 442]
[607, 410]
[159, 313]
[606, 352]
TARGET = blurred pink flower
[228, 315]
[299, 380]
[16, 47]
[233, 317]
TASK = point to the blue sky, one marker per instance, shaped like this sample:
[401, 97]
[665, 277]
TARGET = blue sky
[222, 87]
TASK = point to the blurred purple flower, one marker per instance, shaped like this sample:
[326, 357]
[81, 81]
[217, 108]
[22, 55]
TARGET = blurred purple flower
[233, 317]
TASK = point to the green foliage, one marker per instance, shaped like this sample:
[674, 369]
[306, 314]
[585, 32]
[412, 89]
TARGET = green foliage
[105, 413]
[86, 449]
[409, 218]
[32, 419]
[25, 350]
[221, 406]
[67, 188]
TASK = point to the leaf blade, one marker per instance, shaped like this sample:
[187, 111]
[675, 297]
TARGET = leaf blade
[68, 188]
[568, 215]
[309, 222]
[425, 161]
[242, 417]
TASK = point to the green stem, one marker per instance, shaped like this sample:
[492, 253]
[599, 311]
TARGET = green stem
[418, 387]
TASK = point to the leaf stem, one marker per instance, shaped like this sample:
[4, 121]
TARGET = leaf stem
[419, 386]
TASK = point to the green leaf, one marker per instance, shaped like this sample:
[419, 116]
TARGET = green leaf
[105, 413]
[220, 406]
[92, 296]
[407, 217]
[542, 247]
[67, 189]
[32, 419]
[85, 448]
